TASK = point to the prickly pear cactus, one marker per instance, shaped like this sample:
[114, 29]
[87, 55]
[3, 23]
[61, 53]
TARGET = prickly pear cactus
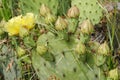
[61, 52]
[54, 45]
[64, 62]
[88, 10]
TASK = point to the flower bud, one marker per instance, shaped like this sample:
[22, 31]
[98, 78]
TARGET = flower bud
[41, 49]
[94, 45]
[23, 32]
[104, 49]
[61, 24]
[73, 12]
[113, 74]
[86, 27]
[50, 19]
[99, 59]
[20, 51]
[80, 48]
[44, 10]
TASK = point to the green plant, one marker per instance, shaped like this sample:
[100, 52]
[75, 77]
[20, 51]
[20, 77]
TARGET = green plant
[5, 9]
[60, 54]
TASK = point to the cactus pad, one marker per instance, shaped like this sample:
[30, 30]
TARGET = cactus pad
[88, 10]
[34, 5]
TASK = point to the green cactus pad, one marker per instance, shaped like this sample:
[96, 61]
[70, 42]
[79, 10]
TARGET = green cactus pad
[65, 63]
[88, 10]
[34, 5]
[10, 72]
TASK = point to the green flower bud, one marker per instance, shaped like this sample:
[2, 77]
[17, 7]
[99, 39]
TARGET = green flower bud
[86, 27]
[23, 32]
[44, 10]
[20, 51]
[61, 24]
[50, 19]
[94, 45]
[80, 48]
[73, 12]
[113, 74]
[41, 49]
[104, 49]
[99, 59]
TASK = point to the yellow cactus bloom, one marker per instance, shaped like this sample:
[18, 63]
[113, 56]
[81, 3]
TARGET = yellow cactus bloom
[13, 25]
[28, 21]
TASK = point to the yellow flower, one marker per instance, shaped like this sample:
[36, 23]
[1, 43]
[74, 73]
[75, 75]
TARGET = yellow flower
[14, 25]
[28, 21]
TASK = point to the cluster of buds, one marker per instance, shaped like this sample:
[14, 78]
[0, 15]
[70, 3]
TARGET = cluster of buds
[46, 12]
